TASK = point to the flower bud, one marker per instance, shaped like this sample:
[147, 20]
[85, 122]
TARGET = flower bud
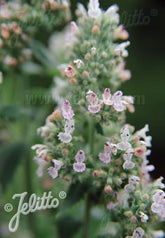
[108, 189]
[145, 196]
[95, 29]
[133, 219]
[65, 152]
[96, 173]
[57, 115]
[85, 74]
[128, 213]
[73, 81]
[88, 56]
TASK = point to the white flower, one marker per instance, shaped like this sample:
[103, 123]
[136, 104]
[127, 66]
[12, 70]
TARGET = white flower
[41, 150]
[128, 164]
[118, 103]
[93, 9]
[81, 10]
[94, 104]
[125, 136]
[138, 233]
[53, 171]
[107, 97]
[1, 77]
[158, 205]
[112, 14]
[79, 63]
[79, 166]
[41, 165]
[66, 136]
[158, 234]
[142, 134]
[133, 182]
[144, 217]
[74, 28]
[93, 51]
[120, 50]
[159, 183]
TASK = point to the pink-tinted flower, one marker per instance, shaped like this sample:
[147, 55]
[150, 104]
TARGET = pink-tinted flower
[125, 135]
[138, 233]
[74, 28]
[112, 205]
[53, 171]
[107, 148]
[120, 50]
[66, 136]
[121, 33]
[140, 151]
[105, 158]
[69, 71]
[67, 111]
[112, 14]
[94, 105]
[80, 156]
[93, 10]
[158, 205]
[79, 167]
[57, 164]
[128, 164]
[79, 63]
[41, 165]
[107, 97]
[118, 103]
[128, 101]
[133, 182]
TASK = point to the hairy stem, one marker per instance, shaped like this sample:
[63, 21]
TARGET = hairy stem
[87, 202]
[86, 218]
[91, 135]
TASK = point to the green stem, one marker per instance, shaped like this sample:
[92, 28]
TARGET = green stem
[87, 202]
[86, 218]
[91, 135]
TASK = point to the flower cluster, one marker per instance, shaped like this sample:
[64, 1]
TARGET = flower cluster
[18, 27]
[158, 205]
[68, 114]
[118, 101]
[118, 174]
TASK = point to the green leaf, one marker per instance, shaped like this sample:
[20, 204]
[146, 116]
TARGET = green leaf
[42, 54]
[10, 112]
[10, 157]
[99, 129]
[67, 226]
[75, 193]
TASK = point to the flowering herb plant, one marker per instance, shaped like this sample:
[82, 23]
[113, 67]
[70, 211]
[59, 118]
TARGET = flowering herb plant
[87, 140]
